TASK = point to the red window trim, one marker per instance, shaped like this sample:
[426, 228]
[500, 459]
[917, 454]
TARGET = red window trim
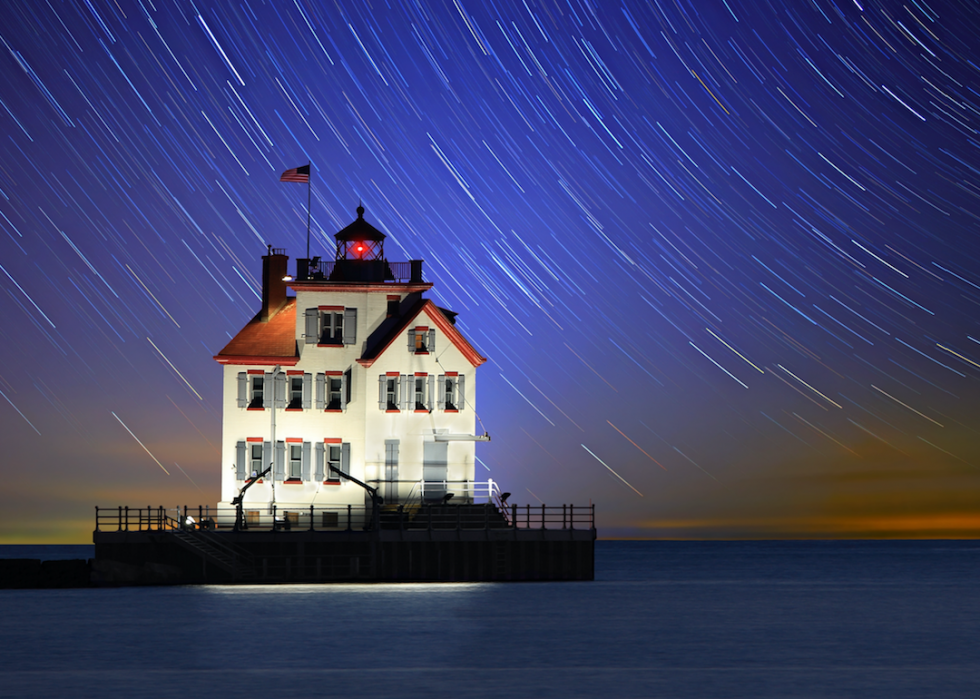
[331, 344]
[294, 440]
[452, 410]
[294, 410]
[392, 411]
[254, 439]
[421, 328]
[332, 410]
[255, 371]
[258, 409]
[394, 297]
[392, 373]
[417, 410]
[333, 440]
[421, 373]
[336, 482]
[452, 373]
[333, 373]
[290, 372]
[330, 308]
[293, 481]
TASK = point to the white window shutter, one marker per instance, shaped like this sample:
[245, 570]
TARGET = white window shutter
[460, 392]
[320, 391]
[279, 472]
[266, 456]
[240, 464]
[318, 462]
[267, 391]
[411, 340]
[407, 389]
[441, 392]
[432, 389]
[312, 335]
[306, 461]
[345, 458]
[344, 378]
[242, 389]
[431, 347]
[280, 390]
[382, 392]
[307, 391]
[350, 326]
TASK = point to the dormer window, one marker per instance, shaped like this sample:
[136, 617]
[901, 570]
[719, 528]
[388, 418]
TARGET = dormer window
[331, 326]
[421, 340]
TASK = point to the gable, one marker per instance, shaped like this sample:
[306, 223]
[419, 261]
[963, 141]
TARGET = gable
[425, 308]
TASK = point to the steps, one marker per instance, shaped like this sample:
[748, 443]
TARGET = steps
[228, 558]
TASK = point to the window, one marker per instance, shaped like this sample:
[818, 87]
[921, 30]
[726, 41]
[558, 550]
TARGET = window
[331, 328]
[258, 391]
[251, 458]
[295, 392]
[333, 462]
[330, 325]
[412, 392]
[421, 340]
[335, 387]
[388, 390]
[255, 459]
[393, 304]
[295, 461]
[331, 453]
[333, 390]
[451, 395]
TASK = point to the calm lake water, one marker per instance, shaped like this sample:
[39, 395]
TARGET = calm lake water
[670, 619]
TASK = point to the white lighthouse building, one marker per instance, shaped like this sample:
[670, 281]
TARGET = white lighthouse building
[356, 375]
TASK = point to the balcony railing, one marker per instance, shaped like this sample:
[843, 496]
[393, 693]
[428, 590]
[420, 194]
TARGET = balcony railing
[299, 517]
[364, 271]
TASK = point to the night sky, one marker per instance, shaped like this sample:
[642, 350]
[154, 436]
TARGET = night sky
[723, 257]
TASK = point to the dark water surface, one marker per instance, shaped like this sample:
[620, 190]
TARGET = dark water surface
[662, 619]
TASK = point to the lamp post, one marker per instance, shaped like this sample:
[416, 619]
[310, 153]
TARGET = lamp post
[272, 442]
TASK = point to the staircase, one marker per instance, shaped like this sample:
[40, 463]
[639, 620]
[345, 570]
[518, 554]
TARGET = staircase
[229, 558]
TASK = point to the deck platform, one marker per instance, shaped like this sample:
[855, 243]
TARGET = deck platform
[437, 543]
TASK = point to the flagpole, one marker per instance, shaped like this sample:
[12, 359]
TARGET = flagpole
[309, 189]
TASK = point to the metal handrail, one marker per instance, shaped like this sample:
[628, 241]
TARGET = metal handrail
[298, 516]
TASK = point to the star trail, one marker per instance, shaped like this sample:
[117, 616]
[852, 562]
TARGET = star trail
[745, 234]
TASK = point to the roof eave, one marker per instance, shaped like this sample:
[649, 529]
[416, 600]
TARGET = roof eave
[242, 359]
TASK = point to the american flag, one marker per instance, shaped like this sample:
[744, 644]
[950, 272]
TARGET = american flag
[297, 174]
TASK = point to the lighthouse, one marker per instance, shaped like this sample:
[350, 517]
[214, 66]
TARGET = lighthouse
[354, 389]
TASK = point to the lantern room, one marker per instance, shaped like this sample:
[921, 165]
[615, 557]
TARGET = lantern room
[360, 240]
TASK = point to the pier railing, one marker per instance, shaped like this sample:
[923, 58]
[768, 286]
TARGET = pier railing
[297, 517]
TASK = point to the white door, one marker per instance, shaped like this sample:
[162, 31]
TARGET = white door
[435, 469]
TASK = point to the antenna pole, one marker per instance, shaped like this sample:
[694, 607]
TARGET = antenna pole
[309, 189]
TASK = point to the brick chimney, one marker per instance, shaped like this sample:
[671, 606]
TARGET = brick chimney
[273, 286]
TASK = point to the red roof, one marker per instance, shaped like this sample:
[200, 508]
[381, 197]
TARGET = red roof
[272, 342]
[438, 319]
